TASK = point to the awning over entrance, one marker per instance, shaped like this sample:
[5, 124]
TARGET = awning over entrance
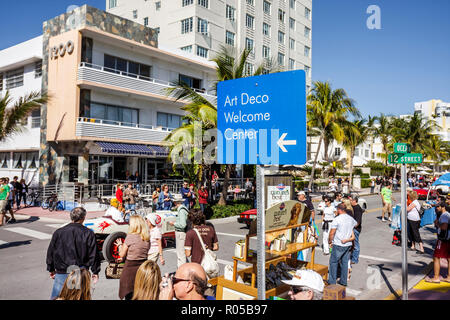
[132, 149]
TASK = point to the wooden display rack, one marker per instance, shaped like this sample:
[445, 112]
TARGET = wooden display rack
[235, 290]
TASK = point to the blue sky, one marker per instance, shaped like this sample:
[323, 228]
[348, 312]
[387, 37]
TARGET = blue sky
[385, 70]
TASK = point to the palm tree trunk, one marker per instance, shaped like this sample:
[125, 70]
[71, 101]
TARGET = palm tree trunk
[352, 154]
[315, 162]
[326, 144]
[226, 182]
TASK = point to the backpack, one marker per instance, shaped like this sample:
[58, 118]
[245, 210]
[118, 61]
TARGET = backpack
[397, 238]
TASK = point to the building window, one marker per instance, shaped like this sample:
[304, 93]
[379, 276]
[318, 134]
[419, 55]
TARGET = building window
[281, 15]
[307, 33]
[307, 71]
[280, 59]
[291, 44]
[266, 52]
[135, 14]
[249, 21]
[230, 13]
[307, 13]
[248, 69]
[291, 64]
[86, 49]
[190, 81]
[36, 118]
[167, 120]
[185, 3]
[292, 4]
[229, 38]
[111, 114]
[281, 37]
[307, 51]
[158, 5]
[267, 7]
[1, 81]
[250, 45]
[14, 78]
[186, 25]
[202, 26]
[187, 49]
[38, 69]
[337, 152]
[356, 152]
[127, 68]
[266, 29]
[202, 52]
[292, 23]
[251, 2]
[203, 3]
[5, 159]
[112, 4]
[146, 22]
[366, 153]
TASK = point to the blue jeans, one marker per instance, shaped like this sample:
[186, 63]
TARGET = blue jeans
[339, 257]
[356, 250]
[202, 207]
[58, 284]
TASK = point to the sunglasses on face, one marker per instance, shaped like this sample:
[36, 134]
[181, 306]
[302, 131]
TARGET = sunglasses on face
[296, 290]
[176, 280]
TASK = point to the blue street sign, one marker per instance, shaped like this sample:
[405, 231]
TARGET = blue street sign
[262, 119]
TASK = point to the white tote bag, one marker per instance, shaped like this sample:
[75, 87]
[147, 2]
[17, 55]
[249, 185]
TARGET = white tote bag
[209, 261]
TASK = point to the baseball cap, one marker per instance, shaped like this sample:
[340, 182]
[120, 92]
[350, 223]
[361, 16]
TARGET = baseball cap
[153, 218]
[301, 192]
[306, 278]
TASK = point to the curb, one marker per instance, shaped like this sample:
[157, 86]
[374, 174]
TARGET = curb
[397, 295]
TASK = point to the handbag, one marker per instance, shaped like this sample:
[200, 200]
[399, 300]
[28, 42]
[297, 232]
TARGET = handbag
[114, 270]
[209, 261]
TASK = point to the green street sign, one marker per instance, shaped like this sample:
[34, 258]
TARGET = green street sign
[407, 158]
[402, 148]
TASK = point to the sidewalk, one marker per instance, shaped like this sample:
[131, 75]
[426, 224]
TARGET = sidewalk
[432, 291]
[58, 215]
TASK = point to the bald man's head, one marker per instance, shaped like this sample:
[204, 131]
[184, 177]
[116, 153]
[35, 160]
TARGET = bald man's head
[195, 273]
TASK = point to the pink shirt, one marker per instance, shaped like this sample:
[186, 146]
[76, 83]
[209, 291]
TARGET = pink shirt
[155, 235]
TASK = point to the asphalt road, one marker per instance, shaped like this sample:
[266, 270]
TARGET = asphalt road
[23, 248]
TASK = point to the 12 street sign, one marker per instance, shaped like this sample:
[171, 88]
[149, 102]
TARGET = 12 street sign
[407, 158]
[262, 120]
[402, 148]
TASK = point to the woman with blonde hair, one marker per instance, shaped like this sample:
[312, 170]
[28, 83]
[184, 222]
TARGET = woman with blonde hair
[77, 286]
[414, 223]
[134, 249]
[148, 278]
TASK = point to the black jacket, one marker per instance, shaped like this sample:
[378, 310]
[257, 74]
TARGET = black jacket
[357, 215]
[73, 245]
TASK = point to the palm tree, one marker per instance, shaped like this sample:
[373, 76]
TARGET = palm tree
[327, 110]
[229, 66]
[11, 114]
[436, 149]
[355, 133]
[383, 132]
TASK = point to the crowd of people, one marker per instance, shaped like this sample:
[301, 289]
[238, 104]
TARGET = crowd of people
[73, 257]
[11, 193]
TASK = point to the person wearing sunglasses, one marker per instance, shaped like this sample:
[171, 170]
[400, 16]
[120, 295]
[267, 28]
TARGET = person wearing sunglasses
[306, 285]
[188, 283]
[328, 216]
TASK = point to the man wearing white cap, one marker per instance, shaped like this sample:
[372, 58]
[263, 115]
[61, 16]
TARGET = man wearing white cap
[153, 221]
[301, 196]
[306, 285]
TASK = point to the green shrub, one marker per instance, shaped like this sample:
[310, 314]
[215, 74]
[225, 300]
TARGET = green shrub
[230, 210]
[365, 183]
[365, 175]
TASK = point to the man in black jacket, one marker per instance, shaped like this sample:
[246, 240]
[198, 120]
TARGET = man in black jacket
[72, 246]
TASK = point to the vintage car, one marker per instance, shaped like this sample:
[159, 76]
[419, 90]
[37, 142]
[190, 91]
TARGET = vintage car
[108, 231]
[423, 193]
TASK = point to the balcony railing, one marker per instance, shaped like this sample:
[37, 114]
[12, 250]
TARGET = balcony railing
[103, 75]
[87, 127]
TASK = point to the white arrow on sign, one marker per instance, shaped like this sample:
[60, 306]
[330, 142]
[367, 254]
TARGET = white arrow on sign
[281, 143]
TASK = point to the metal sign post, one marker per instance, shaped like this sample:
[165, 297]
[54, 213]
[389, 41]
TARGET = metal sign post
[261, 233]
[404, 236]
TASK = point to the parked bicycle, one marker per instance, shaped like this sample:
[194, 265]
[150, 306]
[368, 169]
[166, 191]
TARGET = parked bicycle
[51, 203]
[33, 199]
